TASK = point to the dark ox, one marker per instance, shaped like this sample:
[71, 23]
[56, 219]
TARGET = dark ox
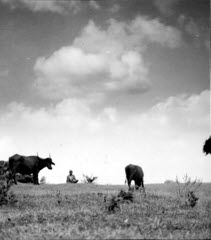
[3, 167]
[135, 173]
[28, 165]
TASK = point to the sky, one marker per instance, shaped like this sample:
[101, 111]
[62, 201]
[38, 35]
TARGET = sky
[102, 84]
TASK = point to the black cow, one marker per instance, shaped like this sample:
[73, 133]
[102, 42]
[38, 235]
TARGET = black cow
[3, 167]
[28, 165]
[135, 173]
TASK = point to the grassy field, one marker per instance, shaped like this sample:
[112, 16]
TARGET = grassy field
[80, 211]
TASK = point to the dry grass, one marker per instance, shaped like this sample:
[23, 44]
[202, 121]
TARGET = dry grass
[69, 211]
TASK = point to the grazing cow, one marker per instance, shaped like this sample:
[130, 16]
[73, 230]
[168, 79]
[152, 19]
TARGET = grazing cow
[135, 173]
[27, 165]
[3, 167]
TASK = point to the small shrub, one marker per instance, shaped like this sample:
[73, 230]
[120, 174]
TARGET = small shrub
[88, 179]
[5, 196]
[191, 199]
[43, 180]
[113, 203]
[186, 191]
[126, 196]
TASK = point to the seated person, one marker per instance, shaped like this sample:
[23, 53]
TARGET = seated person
[71, 178]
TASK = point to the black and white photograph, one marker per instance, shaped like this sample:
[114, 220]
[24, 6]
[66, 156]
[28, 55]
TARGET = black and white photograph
[105, 129]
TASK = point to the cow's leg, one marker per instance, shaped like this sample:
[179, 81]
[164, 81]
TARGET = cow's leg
[34, 181]
[142, 184]
[129, 184]
[35, 178]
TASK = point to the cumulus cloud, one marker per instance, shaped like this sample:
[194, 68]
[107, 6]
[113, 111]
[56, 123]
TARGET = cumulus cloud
[120, 36]
[45, 6]
[197, 30]
[103, 60]
[55, 6]
[155, 31]
[72, 72]
[169, 136]
[115, 8]
[4, 73]
[182, 113]
[165, 7]
[94, 4]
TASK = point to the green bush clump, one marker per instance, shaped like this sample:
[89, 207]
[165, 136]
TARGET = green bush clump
[186, 191]
[6, 196]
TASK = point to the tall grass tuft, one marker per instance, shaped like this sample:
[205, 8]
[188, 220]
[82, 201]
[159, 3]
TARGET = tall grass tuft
[186, 191]
[88, 179]
[113, 202]
[6, 197]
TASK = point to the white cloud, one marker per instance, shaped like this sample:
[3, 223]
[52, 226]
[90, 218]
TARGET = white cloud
[120, 36]
[115, 8]
[7, 147]
[4, 73]
[45, 6]
[166, 140]
[166, 7]
[207, 44]
[94, 4]
[71, 72]
[100, 61]
[197, 30]
[189, 25]
[157, 32]
[182, 113]
[70, 61]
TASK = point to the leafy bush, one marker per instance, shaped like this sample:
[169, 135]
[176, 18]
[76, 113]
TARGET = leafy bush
[6, 196]
[207, 146]
[43, 180]
[88, 179]
[113, 202]
[186, 191]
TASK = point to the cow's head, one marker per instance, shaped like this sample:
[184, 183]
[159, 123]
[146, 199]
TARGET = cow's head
[49, 162]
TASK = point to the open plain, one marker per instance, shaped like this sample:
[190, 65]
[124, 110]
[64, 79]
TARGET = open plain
[80, 211]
